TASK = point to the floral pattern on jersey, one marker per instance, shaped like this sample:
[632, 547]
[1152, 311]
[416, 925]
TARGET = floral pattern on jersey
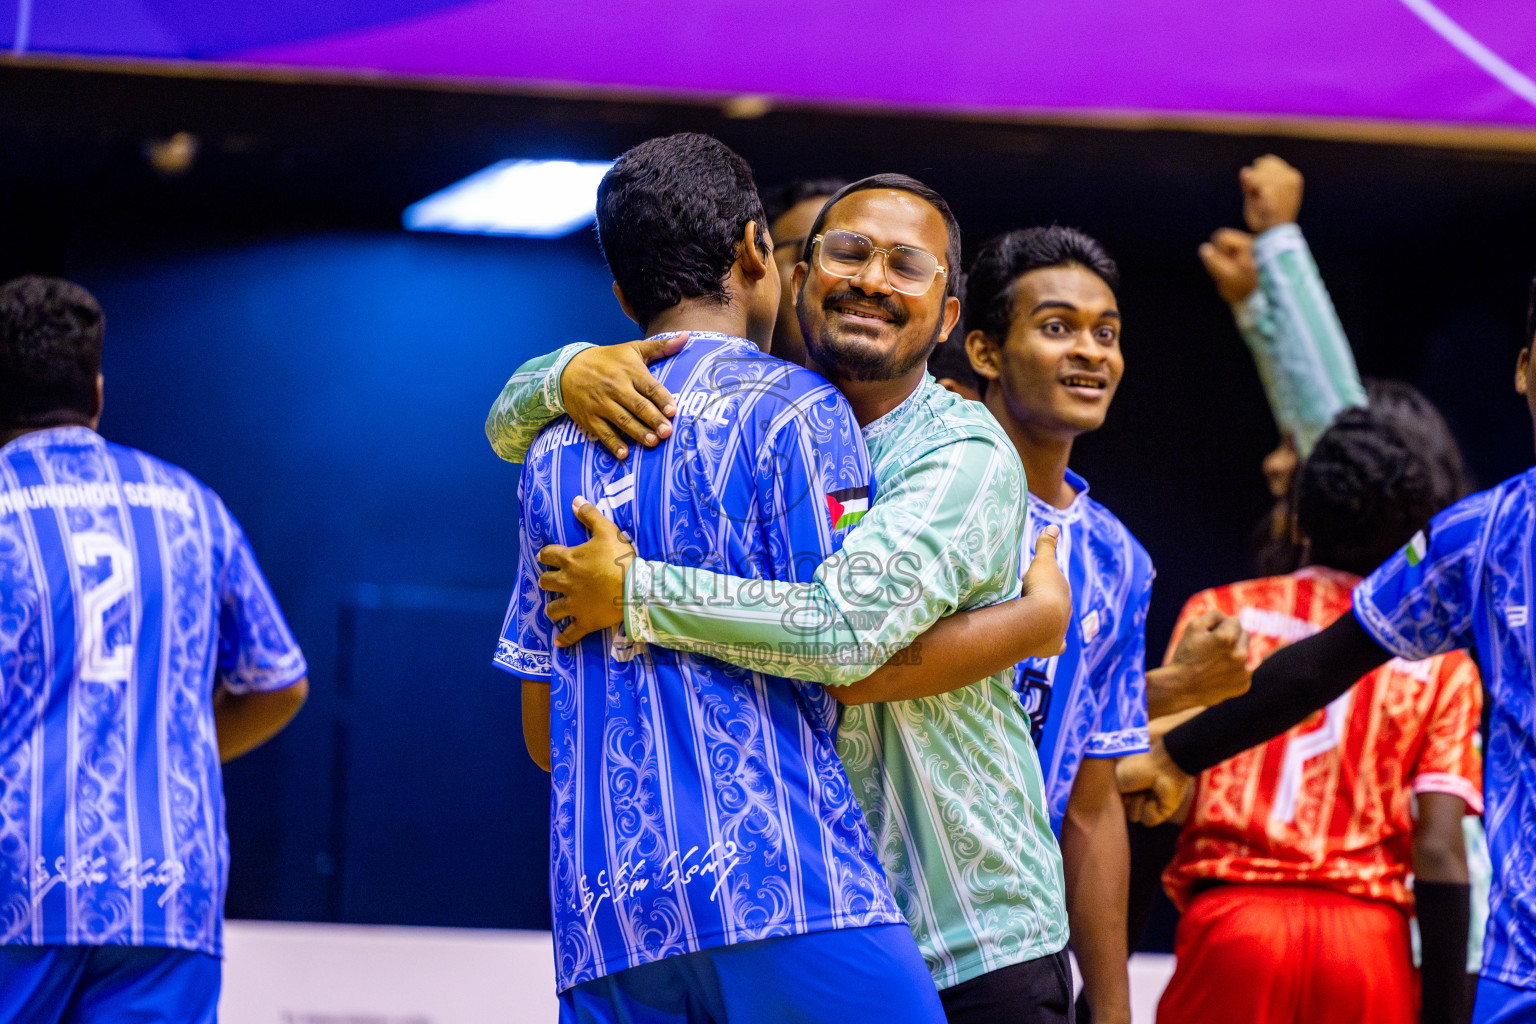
[138, 562]
[951, 785]
[946, 525]
[1472, 586]
[99, 803]
[711, 808]
[1090, 700]
[24, 682]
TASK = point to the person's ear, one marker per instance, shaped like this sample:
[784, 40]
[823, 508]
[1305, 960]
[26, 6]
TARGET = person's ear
[618, 293]
[951, 317]
[985, 355]
[797, 279]
[1523, 372]
[754, 265]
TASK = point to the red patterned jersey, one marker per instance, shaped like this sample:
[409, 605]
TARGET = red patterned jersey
[1329, 802]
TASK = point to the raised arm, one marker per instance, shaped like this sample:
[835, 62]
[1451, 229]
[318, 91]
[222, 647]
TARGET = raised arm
[607, 391]
[1282, 308]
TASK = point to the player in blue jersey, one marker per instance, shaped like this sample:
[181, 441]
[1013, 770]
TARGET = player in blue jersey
[139, 647]
[1044, 337]
[1469, 581]
[708, 860]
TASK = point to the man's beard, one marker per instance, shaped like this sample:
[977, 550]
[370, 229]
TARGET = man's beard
[862, 362]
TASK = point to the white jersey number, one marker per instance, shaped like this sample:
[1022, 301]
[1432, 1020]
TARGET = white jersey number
[98, 662]
[1304, 748]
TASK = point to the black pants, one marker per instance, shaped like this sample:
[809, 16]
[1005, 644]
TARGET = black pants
[1034, 991]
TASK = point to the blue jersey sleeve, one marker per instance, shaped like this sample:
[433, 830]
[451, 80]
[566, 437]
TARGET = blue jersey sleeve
[524, 646]
[1420, 602]
[815, 483]
[257, 651]
[1122, 725]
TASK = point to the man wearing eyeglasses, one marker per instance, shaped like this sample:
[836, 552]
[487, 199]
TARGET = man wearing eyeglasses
[948, 777]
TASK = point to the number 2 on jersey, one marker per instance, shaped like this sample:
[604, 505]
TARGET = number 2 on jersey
[100, 662]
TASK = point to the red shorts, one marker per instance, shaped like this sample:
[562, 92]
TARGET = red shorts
[1290, 954]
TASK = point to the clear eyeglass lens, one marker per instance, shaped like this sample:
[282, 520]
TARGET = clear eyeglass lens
[910, 271]
[911, 268]
[845, 252]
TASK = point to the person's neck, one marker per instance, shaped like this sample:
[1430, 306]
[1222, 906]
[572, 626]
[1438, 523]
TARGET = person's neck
[705, 315]
[1045, 453]
[872, 399]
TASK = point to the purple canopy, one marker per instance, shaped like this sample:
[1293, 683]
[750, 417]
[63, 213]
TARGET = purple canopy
[1452, 61]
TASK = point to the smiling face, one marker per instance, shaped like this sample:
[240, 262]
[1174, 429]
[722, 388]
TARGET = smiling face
[861, 328]
[1058, 369]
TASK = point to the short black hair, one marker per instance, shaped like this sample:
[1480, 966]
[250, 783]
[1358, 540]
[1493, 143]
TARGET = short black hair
[1365, 489]
[1006, 258]
[670, 214]
[949, 359]
[781, 200]
[50, 352]
[953, 276]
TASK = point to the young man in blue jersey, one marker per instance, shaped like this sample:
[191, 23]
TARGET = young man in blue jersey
[139, 647]
[1469, 581]
[708, 857]
[1044, 337]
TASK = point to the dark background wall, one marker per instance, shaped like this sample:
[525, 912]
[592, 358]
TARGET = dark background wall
[272, 329]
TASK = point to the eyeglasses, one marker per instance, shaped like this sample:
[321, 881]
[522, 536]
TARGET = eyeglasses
[908, 270]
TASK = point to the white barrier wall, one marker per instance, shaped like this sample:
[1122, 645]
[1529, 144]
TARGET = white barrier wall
[280, 973]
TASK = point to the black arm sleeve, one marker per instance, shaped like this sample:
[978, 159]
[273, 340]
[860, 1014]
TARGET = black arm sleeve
[1445, 912]
[1294, 682]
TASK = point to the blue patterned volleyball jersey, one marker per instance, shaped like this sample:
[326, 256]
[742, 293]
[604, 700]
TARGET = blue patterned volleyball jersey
[1468, 583]
[696, 804]
[1090, 700]
[126, 591]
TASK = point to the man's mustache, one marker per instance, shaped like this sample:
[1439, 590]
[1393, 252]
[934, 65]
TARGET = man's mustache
[884, 303]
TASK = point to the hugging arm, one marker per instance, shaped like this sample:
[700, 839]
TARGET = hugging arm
[961, 648]
[607, 391]
[940, 526]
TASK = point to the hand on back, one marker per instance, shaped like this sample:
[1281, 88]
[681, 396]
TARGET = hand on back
[610, 393]
[588, 578]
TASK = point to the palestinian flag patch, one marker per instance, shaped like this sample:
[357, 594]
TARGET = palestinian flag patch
[1417, 548]
[847, 506]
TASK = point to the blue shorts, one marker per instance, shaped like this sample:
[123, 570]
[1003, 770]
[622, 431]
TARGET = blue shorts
[839, 976]
[1498, 1003]
[108, 984]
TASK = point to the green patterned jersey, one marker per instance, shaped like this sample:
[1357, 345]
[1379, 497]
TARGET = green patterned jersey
[950, 785]
[1296, 339]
